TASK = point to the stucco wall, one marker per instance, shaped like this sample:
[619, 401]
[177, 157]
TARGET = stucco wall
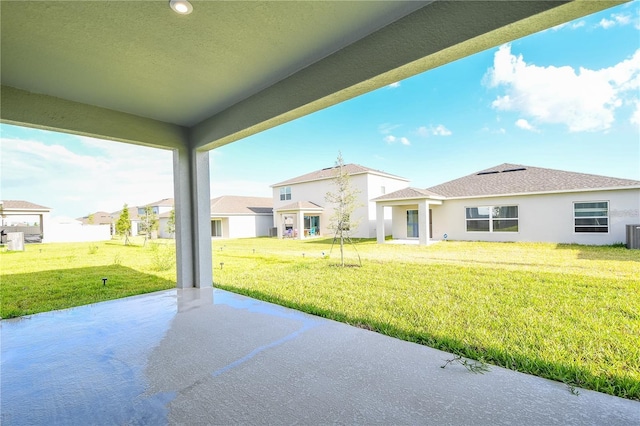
[399, 229]
[245, 226]
[542, 218]
[369, 187]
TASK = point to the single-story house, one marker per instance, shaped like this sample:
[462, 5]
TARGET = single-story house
[24, 216]
[512, 202]
[233, 217]
[301, 210]
[133, 218]
[241, 217]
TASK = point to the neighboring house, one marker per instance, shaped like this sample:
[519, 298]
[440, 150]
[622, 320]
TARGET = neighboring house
[97, 218]
[512, 202]
[300, 209]
[27, 217]
[133, 218]
[100, 218]
[161, 208]
[234, 217]
[241, 217]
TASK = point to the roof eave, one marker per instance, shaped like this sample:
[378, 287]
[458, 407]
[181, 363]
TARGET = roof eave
[563, 191]
[287, 183]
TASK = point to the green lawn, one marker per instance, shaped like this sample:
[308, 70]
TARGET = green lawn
[46, 277]
[565, 312]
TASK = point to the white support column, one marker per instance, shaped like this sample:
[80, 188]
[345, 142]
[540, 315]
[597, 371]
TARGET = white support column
[301, 225]
[423, 223]
[380, 223]
[277, 223]
[193, 218]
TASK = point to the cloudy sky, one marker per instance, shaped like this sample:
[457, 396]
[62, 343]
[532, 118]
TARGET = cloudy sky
[566, 98]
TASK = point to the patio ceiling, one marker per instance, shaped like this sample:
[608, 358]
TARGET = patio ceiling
[137, 72]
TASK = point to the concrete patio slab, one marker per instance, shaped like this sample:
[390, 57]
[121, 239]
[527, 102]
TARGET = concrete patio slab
[211, 357]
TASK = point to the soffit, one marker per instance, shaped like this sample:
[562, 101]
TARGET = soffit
[141, 58]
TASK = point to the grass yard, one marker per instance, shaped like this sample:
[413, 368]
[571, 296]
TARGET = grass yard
[46, 277]
[564, 312]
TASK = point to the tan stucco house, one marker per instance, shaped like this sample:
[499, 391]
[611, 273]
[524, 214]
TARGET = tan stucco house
[234, 216]
[300, 209]
[512, 202]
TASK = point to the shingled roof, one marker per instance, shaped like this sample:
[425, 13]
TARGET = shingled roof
[301, 205]
[99, 218]
[21, 205]
[507, 179]
[408, 193]
[234, 204]
[165, 202]
[331, 172]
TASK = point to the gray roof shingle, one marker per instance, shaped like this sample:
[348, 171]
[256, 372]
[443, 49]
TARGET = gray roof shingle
[518, 179]
[22, 205]
[331, 172]
[234, 204]
[301, 205]
[408, 193]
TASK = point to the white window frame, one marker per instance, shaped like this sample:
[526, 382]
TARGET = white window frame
[608, 217]
[285, 193]
[491, 219]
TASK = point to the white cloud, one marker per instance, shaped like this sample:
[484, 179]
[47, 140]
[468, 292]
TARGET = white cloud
[583, 100]
[394, 85]
[569, 25]
[387, 128]
[82, 175]
[620, 19]
[439, 130]
[606, 23]
[524, 124]
[635, 116]
[391, 139]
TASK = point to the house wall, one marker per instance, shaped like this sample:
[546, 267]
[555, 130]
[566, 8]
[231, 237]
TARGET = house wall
[374, 189]
[369, 187]
[162, 228]
[399, 229]
[542, 218]
[245, 226]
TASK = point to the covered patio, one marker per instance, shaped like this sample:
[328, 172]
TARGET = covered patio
[204, 356]
[299, 220]
[411, 217]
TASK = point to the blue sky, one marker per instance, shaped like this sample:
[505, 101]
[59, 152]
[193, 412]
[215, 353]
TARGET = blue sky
[566, 98]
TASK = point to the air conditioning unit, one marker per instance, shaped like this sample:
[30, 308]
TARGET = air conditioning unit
[633, 236]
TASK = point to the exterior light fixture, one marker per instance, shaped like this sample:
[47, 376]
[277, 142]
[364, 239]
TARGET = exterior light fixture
[182, 7]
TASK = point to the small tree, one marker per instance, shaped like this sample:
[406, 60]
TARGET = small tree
[90, 219]
[345, 199]
[123, 225]
[171, 223]
[149, 222]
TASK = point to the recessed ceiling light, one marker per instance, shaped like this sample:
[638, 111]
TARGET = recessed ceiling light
[183, 7]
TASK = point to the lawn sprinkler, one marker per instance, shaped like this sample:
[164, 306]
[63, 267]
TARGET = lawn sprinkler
[104, 281]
